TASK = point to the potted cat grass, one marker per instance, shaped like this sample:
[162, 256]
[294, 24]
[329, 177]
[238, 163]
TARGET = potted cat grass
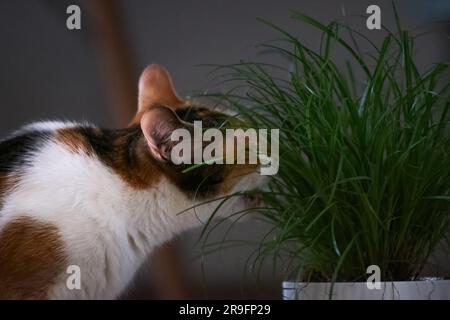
[361, 200]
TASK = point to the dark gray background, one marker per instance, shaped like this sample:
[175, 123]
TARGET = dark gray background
[48, 72]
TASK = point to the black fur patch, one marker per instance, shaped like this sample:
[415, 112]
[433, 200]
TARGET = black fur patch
[16, 151]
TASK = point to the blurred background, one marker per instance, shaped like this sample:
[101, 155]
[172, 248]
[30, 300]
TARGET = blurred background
[50, 72]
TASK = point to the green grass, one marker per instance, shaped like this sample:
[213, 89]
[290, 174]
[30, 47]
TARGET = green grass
[364, 165]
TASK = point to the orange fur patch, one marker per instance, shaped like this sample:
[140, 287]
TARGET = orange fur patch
[74, 140]
[31, 258]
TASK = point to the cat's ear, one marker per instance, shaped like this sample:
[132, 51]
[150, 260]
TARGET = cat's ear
[157, 124]
[156, 88]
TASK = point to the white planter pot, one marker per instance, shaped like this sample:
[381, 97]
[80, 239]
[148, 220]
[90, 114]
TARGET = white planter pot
[397, 290]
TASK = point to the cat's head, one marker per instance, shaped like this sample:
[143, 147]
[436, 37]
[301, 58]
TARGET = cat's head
[162, 112]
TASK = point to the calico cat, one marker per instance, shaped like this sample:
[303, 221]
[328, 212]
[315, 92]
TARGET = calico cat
[73, 194]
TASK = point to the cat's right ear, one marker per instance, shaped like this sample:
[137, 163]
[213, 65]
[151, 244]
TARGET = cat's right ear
[156, 88]
[157, 124]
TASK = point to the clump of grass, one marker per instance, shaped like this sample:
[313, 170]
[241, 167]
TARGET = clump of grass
[364, 165]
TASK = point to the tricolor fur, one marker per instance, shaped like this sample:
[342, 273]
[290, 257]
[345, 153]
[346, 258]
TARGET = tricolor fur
[74, 194]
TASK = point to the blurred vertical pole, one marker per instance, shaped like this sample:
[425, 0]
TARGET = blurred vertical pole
[118, 70]
[115, 57]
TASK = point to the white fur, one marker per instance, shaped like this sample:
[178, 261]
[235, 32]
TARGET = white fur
[108, 227]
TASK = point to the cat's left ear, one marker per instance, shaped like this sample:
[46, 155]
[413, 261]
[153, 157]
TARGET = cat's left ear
[156, 88]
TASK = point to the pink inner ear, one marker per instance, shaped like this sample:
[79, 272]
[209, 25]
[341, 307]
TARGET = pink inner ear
[154, 149]
[156, 124]
[147, 126]
[156, 88]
